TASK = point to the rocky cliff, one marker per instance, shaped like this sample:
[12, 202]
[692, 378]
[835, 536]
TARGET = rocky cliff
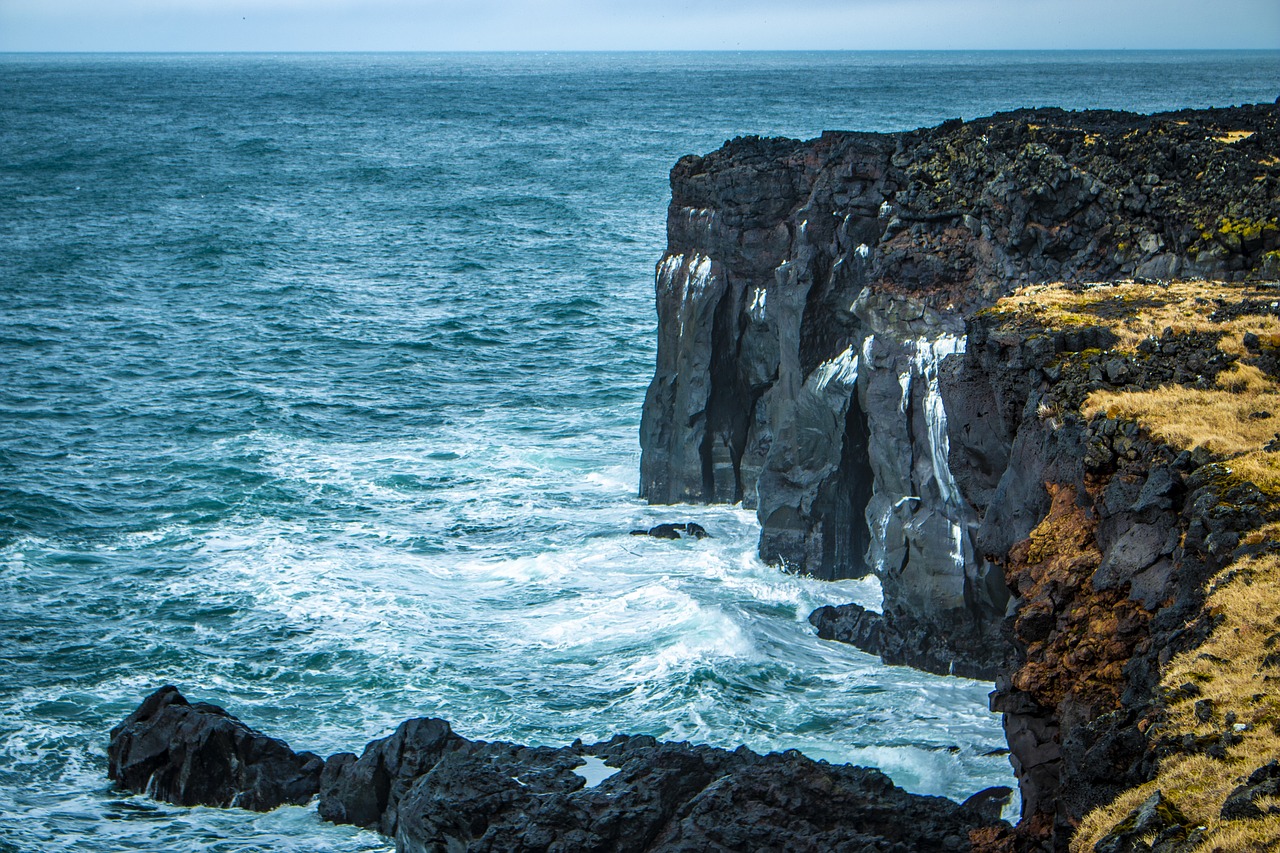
[833, 352]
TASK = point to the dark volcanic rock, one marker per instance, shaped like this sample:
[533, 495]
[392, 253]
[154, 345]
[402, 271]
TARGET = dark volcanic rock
[990, 802]
[201, 755]
[826, 354]
[1156, 826]
[1263, 782]
[366, 791]
[690, 529]
[850, 623]
[814, 305]
[660, 797]
[434, 791]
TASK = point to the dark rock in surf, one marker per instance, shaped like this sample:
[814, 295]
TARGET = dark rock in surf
[201, 755]
[850, 623]
[367, 790]
[990, 802]
[674, 531]
[432, 790]
[457, 794]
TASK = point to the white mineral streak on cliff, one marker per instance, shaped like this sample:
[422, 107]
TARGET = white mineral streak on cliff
[699, 220]
[687, 280]
[699, 275]
[916, 513]
[667, 272]
[928, 358]
[843, 370]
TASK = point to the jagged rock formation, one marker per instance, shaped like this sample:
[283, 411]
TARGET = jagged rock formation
[826, 355]
[201, 755]
[432, 790]
[813, 300]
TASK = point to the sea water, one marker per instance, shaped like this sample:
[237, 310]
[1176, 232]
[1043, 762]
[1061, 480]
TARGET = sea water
[320, 379]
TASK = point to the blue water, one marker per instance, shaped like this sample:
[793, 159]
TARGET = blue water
[320, 380]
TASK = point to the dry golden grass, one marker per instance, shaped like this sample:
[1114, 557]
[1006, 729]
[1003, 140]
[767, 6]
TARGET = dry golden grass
[1233, 136]
[1228, 669]
[1234, 420]
[1238, 417]
[1135, 311]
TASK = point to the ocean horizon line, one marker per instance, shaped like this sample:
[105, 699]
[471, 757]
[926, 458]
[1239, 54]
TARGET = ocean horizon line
[652, 51]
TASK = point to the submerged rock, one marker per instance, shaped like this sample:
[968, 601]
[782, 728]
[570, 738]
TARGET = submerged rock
[433, 790]
[201, 755]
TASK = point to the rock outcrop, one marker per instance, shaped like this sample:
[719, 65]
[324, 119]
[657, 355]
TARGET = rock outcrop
[433, 790]
[813, 308]
[201, 755]
[834, 351]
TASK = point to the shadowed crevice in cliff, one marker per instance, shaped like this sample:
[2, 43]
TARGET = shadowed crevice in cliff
[837, 548]
[727, 419]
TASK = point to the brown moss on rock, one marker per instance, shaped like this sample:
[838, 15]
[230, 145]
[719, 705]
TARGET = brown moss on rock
[1077, 638]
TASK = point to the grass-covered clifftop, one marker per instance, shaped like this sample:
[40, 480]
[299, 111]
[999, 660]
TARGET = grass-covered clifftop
[1058, 528]
[1188, 371]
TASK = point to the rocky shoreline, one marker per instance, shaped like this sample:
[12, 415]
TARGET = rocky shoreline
[433, 791]
[951, 358]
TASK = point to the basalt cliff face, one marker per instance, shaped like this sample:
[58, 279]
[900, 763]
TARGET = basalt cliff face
[834, 352]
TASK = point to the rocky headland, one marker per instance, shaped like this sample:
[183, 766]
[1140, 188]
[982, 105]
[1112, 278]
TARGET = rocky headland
[1025, 370]
[1022, 369]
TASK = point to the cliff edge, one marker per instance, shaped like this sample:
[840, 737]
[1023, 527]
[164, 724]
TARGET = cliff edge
[898, 349]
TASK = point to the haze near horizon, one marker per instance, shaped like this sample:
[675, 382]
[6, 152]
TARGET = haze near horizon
[553, 25]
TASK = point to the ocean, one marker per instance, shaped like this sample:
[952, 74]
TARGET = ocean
[320, 382]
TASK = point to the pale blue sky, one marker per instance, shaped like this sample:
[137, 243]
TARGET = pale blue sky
[183, 25]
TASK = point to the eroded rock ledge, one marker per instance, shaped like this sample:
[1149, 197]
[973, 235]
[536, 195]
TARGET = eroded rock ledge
[434, 791]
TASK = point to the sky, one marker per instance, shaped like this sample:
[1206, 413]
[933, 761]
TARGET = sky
[374, 25]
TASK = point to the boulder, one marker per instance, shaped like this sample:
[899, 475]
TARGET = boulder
[1262, 783]
[200, 755]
